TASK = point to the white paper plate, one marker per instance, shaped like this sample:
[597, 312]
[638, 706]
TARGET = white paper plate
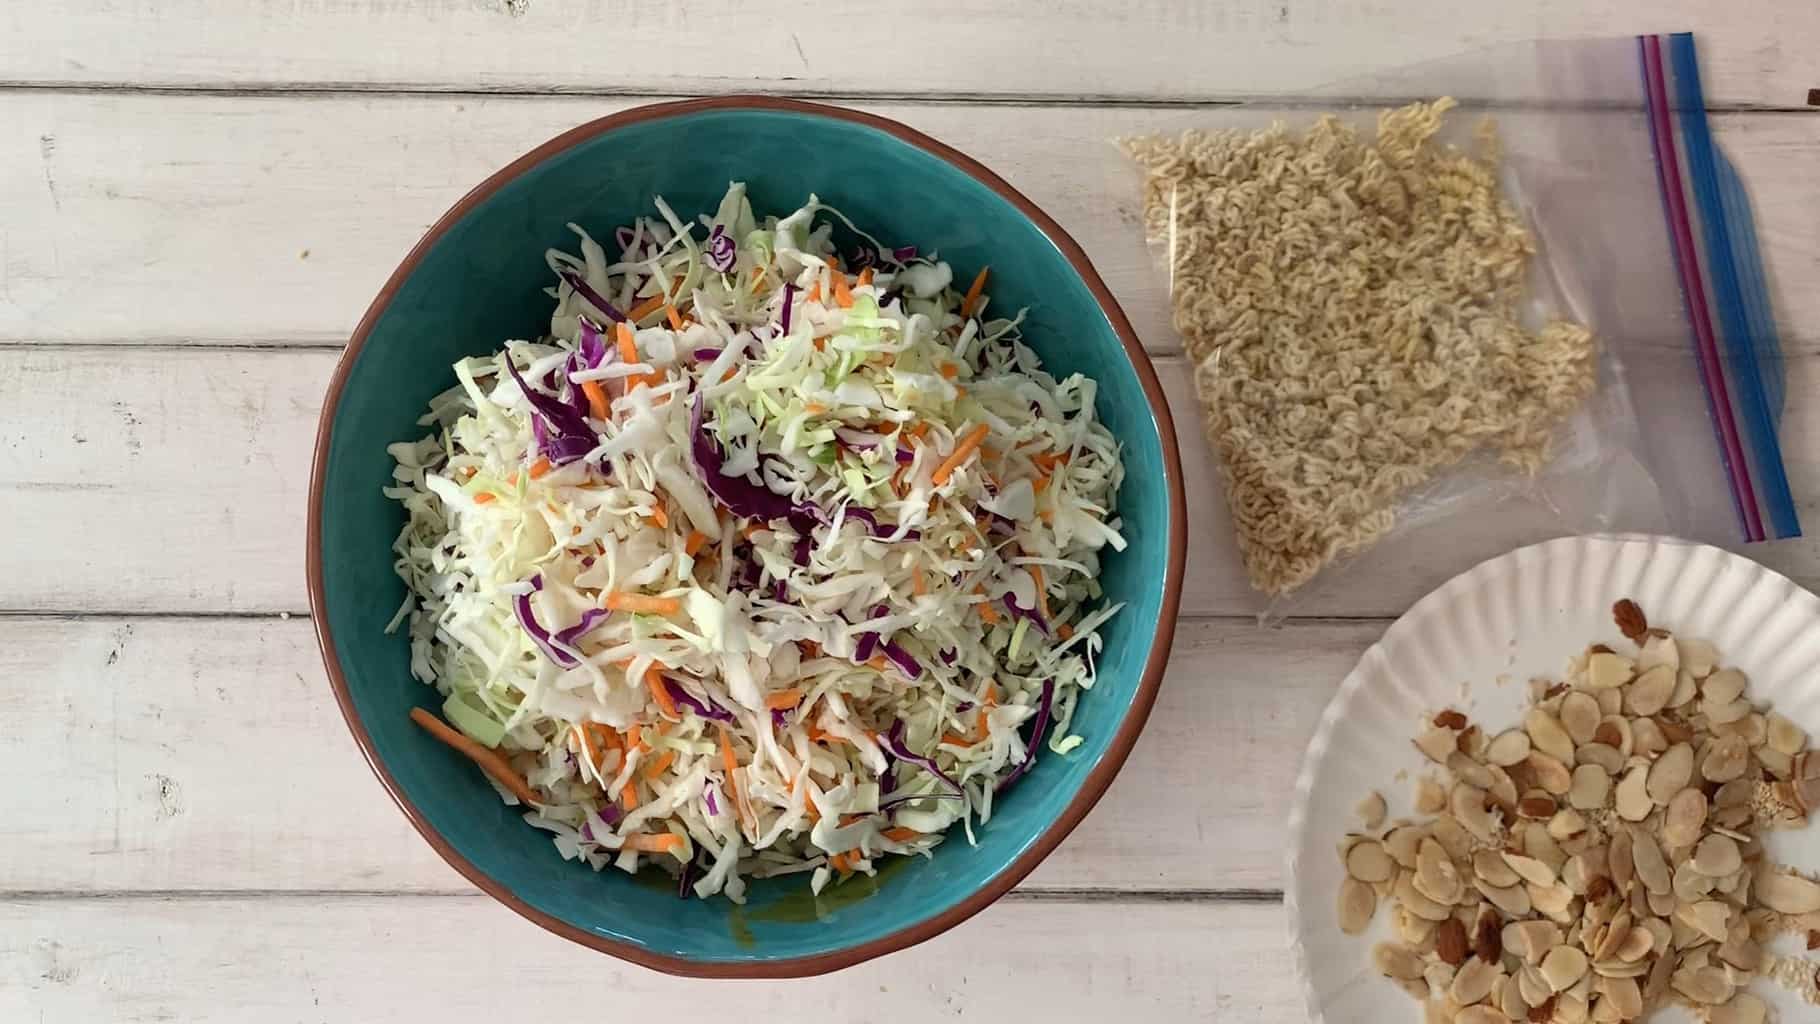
[1474, 644]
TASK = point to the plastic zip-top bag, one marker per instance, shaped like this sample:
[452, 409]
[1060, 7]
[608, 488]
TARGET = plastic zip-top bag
[1518, 298]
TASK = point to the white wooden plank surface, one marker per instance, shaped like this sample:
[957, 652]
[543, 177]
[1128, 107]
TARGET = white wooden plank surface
[466, 960]
[175, 752]
[170, 218]
[208, 451]
[1751, 52]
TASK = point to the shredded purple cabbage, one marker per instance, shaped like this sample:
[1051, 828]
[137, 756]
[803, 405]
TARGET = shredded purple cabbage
[904, 253]
[589, 619]
[1036, 737]
[701, 706]
[1035, 617]
[707, 355]
[904, 660]
[893, 741]
[562, 432]
[686, 878]
[721, 252]
[707, 797]
[948, 655]
[865, 647]
[799, 553]
[594, 298]
[527, 618]
[780, 718]
[740, 496]
[905, 456]
[784, 317]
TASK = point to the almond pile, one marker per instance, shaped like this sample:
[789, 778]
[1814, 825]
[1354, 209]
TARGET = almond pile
[1601, 860]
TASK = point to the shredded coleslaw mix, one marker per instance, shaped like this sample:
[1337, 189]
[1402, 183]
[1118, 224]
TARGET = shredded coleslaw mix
[764, 561]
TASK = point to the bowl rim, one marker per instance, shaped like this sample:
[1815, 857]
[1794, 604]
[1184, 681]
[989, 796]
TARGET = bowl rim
[1091, 789]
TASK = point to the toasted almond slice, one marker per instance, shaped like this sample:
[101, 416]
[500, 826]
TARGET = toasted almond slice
[1547, 735]
[1632, 796]
[1698, 657]
[1436, 742]
[1785, 736]
[1592, 784]
[1685, 817]
[1474, 981]
[1395, 961]
[1531, 870]
[1726, 759]
[1710, 918]
[1605, 670]
[1636, 945]
[1490, 866]
[1723, 686]
[1551, 774]
[1743, 1008]
[1717, 856]
[1651, 868]
[1723, 714]
[1358, 902]
[1706, 986]
[1579, 716]
[1371, 810]
[1430, 797]
[1436, 876]
[1651, 692]
[1563, 966]
[1510, 747]
[1671, 773]
[1785, 893]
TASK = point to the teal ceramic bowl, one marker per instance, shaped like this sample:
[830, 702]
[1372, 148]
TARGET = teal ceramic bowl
[478, 276]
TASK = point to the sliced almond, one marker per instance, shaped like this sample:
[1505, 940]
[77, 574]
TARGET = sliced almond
[1785, 736]
[1671, 773]
[1723, 686]
[1698, 657]
[1591, 786]
[1775, 762]
[1411, 899]
[1437, 742]
[1566, 824]
[1512, 900]
[1717, 856]
[1624, 995]
[1368, 862]
[1430, 797]
[1707, 986]
[1636, 945]
[1580, 716]
[1395, 961]
[1651, 692]
[1474, 981]
[1721, 714]
[1726, 759]
[1552, 901]
[1622, 862]
[1510, 747]
[1531, 940]
[1490, 866]
[1548, 736]
[1652, 870]
[1551, 773]
[1710, 918]
[1537, 806]
[1743, 1008]
[1603, 755]
[1646, 738]
[1632, 795]
[1468, 806]
[1403, 843]
[1787, 894]
[1563, 966]
[1685, 817]
[1371, 810]
[1605, 670]
[1529, 869]
[1358, 902]
[1436, 876]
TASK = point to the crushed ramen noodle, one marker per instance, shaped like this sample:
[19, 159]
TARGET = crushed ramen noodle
[1351, 307]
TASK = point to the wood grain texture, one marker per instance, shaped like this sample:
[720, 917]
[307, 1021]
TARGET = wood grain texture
[274, 220]
[209, 755]
[466, 960]
[207, 451]
[1142, 49]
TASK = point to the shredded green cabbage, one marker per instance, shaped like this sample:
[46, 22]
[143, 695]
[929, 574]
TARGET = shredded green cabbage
[962, 569]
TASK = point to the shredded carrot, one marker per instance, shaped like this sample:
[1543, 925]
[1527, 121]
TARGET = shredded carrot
[512, 478]
[654, 681]
[662, 842]
[814, 408]
[758, 273]
[950, 371]
[662, 764]
[608, 738]
[973, 292]
[814, 813]
[622, 601]
[1040, 484]
[817, 734]
[598, 406]
[843, 862]
[660, 517]
[1042, 591]
[674, 317]
[485, 496]
[865, 277]
[956, 740]
[731, 764]
[987, 615]
[900, 834]
[628, 347]
[1046, 515]
[810, 647]
[490, 761]
[635, 738]
[784, 700]
[847, 820]
[877, 662]
[692, 545]
[1065, 631]
[843, 296]
[539, 468]
[919, 584]
[815, 292]
[1047, 461]
[747, 531]
[919, 430]
[962, 450]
